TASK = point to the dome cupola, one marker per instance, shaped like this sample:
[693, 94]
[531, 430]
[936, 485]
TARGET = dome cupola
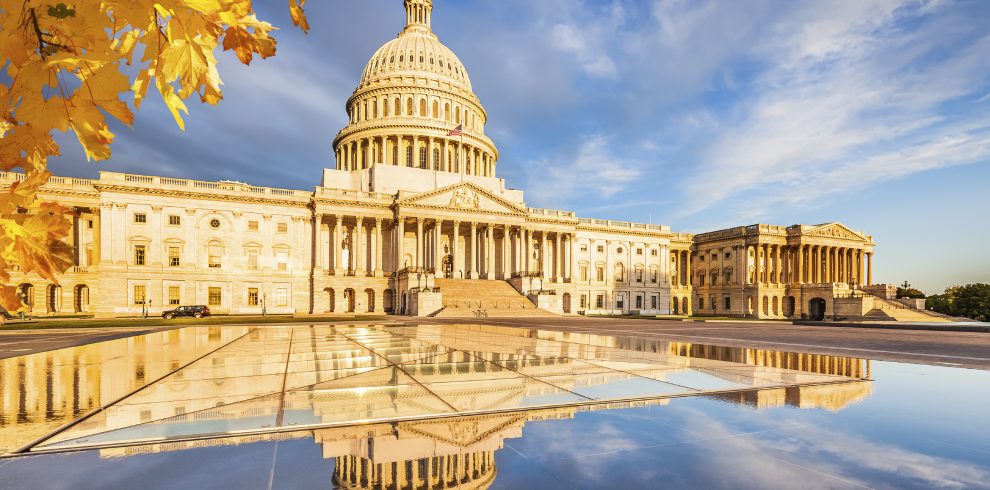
[413, 95]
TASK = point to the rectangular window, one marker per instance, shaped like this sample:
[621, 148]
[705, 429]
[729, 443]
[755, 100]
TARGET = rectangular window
[639, 251]
[214, 297]
[252, 296]
[139, 294]
[252, 258]
[653, 302]
[282, 297]
[140, 218]
[619, 304]
[600, 301]
[584, 301]
[653, 253]
[639, 275]
[653, 276]
[584, 273]
[174, 220]
[139, 254]
[215, 257]
[701, 303]
[601, 248]
[639, 302]
[728, 255]
[601, 274]
[174, 259]
[283, 227]
[584, 248]
[173, 295]
[282, 260]
[727, 303]
[252, 226]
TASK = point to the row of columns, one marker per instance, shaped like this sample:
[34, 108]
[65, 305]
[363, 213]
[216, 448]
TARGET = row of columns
[788, 264]
[454, 155]
[360, 239]
[493, 250]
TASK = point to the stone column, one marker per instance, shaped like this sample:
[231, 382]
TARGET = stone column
[524, 249]
[317, 242]
[568, 254]
[490, 251]
[337, 239]
[800, 265]
[97, 238]
[544, 267]
[473, 263]
[559, 258]
[359, 247]
[778, 262]
[378, 247]
[455, 248]
[419, 238]
[869, 268]
[400, 236]
[437, 248]
[505, 253]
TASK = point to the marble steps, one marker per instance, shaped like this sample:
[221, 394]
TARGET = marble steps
[466, 298]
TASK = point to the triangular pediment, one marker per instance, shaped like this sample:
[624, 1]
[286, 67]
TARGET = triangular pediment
[463, 432]
[835, 230]
[463, 196]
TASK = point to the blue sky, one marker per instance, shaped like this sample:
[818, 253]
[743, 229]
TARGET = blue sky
[696, 114]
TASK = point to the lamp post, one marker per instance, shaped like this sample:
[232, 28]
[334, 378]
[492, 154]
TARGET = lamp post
[264, 299]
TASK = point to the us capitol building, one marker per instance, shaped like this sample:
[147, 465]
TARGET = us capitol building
[415, 220]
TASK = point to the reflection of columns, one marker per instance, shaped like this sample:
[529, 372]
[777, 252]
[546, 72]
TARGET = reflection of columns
[419, 239]
[869, 268]
[378, 247]
[337, 246]
[359, 246]
[456, 248]
[473, 264]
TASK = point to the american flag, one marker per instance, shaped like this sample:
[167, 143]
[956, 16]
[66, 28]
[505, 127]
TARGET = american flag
[458, 131]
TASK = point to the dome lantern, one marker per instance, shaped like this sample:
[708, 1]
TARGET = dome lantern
[418, 14]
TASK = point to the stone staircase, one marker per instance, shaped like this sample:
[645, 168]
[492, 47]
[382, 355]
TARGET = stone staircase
[475, 298]
[887, 310]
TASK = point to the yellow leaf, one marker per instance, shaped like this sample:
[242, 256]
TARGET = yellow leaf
[298, 15]
[140, 86]
[21, 194]
[103, 86]
[173, 102]
[10, 300]
[90, 127]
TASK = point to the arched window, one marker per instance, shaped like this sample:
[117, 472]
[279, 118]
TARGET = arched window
[374, 107]
[385, 107]
[714, 277]
[620, 272]
[422, 157]
[409, 156]
[365, 111]
[436, 110]
[398, 111]
[395, 154]
[422, 107]
[409, 107]
[436, 159]
[446, 112]
[457, 115]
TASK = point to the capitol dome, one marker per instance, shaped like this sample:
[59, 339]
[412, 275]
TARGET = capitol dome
[414, 107]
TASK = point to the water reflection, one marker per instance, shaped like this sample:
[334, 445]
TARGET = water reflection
[41, 392]
[206, 382]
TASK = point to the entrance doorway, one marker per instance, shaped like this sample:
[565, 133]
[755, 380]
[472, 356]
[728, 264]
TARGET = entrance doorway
[448, 266]
[816, 309]
[567, 302]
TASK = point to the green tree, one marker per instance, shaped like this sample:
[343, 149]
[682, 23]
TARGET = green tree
[970, 301]
[909, 292]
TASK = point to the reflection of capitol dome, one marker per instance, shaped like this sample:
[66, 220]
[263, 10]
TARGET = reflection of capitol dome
[412, 93]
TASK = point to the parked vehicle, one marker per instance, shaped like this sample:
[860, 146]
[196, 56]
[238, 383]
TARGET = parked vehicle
[198, 311]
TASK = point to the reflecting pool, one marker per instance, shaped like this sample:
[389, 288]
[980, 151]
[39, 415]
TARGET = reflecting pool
[479, 407]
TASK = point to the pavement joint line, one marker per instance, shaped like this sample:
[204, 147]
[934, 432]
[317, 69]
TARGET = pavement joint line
[943, 356]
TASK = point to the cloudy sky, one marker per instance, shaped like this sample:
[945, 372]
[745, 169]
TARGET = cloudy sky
[697, 114]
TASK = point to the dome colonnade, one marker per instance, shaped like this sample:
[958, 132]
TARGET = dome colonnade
[413, 92]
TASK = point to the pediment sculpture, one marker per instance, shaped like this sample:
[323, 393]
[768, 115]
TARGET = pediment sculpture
[465, 199]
